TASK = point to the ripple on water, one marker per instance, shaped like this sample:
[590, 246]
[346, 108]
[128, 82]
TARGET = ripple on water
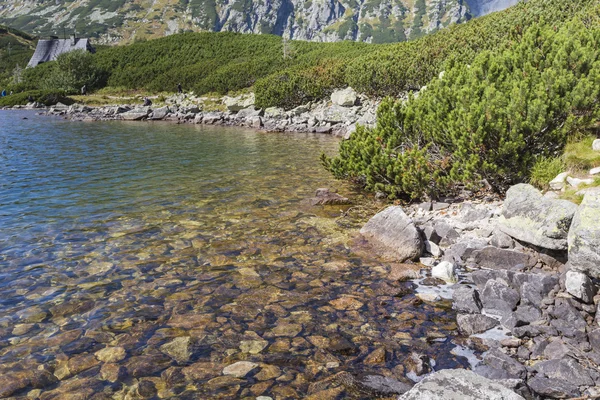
[157, 255]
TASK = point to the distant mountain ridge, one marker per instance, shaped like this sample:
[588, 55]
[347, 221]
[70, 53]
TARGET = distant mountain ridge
[116, 21]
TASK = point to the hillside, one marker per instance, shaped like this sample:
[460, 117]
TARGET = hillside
[118, 21]
[16, 48]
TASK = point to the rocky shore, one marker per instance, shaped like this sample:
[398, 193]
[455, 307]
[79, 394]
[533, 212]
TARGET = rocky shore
[523, 277]
[339, 115]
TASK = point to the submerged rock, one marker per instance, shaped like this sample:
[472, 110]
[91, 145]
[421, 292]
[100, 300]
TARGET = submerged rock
[326, 197]
[240, 369]
[530, 217]
[394, 233]
[458, 384]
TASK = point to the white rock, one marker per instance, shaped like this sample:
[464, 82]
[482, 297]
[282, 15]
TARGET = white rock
[427, 261]
[596, 145]
[240, 369]
[433, 249]
[430, 297]
[580, 285]
[575, 182]
[559, 182]
[445, 271]
[595, 171]
[345, 97]
[264, 398]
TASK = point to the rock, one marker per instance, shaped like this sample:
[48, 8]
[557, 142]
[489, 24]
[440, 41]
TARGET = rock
[580, 286]
[433, 249]
[438, 206]
[325, 197]
[239, 103]
[274, 113]
[240, 369]
[376, 357]
[255, 122]
[112, 372]
[394, 233]
[528, 313]
[179, 349]
[499, 298]
[556, 350]
[248, 113]
[529, 217]
[445, 271]
[384, 385]
[345, 97]
[502, 240]
[136, 114]
[495, 258]
[253, 346]
[268, 372]
[584, 237]
[567, 370]
[495, 358]
[466, 300]
[404, 272]
[458, 384]
[568, 320]
[595, 171]
[553, 388]
[212, 118]
[471, 324]
[576, 182]
[159, 113]
[287, 330]
[346, 302]
[460, 251]
[111, 354]
[558, 183]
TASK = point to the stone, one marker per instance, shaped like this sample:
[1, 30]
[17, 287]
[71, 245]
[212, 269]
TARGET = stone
[376, 357]
[326, 197]
[268, 372]
[394, 233]
[553, 388]
[529, 217]
[471, 324]
[576, 182]
[499, 298]
[136, 114]
[384, 385]
[179, 349]
[565, 369]
[345, 97]
[346, 302]
[558, 183]
[568, 321]
[255, 122]
[111, 354]
[248, 113]
[595, 171]
[494, 258]
[240, 369]
[580, 286]
[556, 350]
[495, 358]
[438, 206]
[596, 145]
[236, 104]
[466, 300]
[159, 113]
[253, 346]
[445, 271]
[502, 240]
[433, 249]
[463, 249]
[458, 384]
[528, 313]
[287, 330]
[112, 372]
[584, 236]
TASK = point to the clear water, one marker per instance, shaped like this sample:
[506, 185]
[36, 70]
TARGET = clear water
[130, 235]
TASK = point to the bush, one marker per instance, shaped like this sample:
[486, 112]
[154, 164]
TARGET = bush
[46, 97]
[73, 70]
[488, 121]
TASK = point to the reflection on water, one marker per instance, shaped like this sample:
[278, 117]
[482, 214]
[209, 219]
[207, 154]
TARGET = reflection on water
[141, 260]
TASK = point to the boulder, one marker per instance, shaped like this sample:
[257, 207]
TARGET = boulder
[471, 324]
[559, 182]
[159, 113]
[553, 388]
[239, 369]
[576, 182]
[393, 233]
[495, 358]
[596, 145]
[136, 114]
[466, 300]
[530, 217]
[580, 286]
[584, 236]
[445, 271]
[326, 197]
[458, 384]
[499, 298]
[462, 250]
[567, 370]
[235, 104]
[384, 385]
[494, 258]
[249, 113]
[274, 113]
[502, 240]
[345, 97]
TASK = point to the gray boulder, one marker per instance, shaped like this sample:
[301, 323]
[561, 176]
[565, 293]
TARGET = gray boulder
[236, 104]
[494, 258]
[384, 385]
[472, 324]
[345, 97]
[159, 113]
[580, 286]
[567, 370]
[499, 360]
[466, 300]
[530, 217]
[393, 233]
[499, 298]
[458, 384]
[584, 236]
[553, 388]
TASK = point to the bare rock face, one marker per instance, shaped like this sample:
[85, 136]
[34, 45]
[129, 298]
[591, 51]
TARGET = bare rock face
[394, 234]
[458, 384]
[530, 217]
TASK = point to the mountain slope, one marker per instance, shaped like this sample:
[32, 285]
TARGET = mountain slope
[114, 21]
[16, 48]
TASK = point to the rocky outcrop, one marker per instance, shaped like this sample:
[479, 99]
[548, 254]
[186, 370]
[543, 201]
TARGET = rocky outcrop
[459, 384]
[584, 236]
[530, 217]
[394, 234]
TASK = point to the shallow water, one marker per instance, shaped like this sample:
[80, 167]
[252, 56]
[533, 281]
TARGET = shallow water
[129, 235]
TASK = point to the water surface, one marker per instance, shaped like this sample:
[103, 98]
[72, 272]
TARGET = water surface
[182, 250]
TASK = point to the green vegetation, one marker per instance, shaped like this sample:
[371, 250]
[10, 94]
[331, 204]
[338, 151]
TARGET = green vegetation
[579, 156]
[46, 97]
[488, 121]
[545, 170]
[16, 48]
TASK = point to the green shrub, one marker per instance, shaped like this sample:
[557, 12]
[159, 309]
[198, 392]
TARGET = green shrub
[488, 121]
[544, 170]
[579, 155]
[46, 97]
